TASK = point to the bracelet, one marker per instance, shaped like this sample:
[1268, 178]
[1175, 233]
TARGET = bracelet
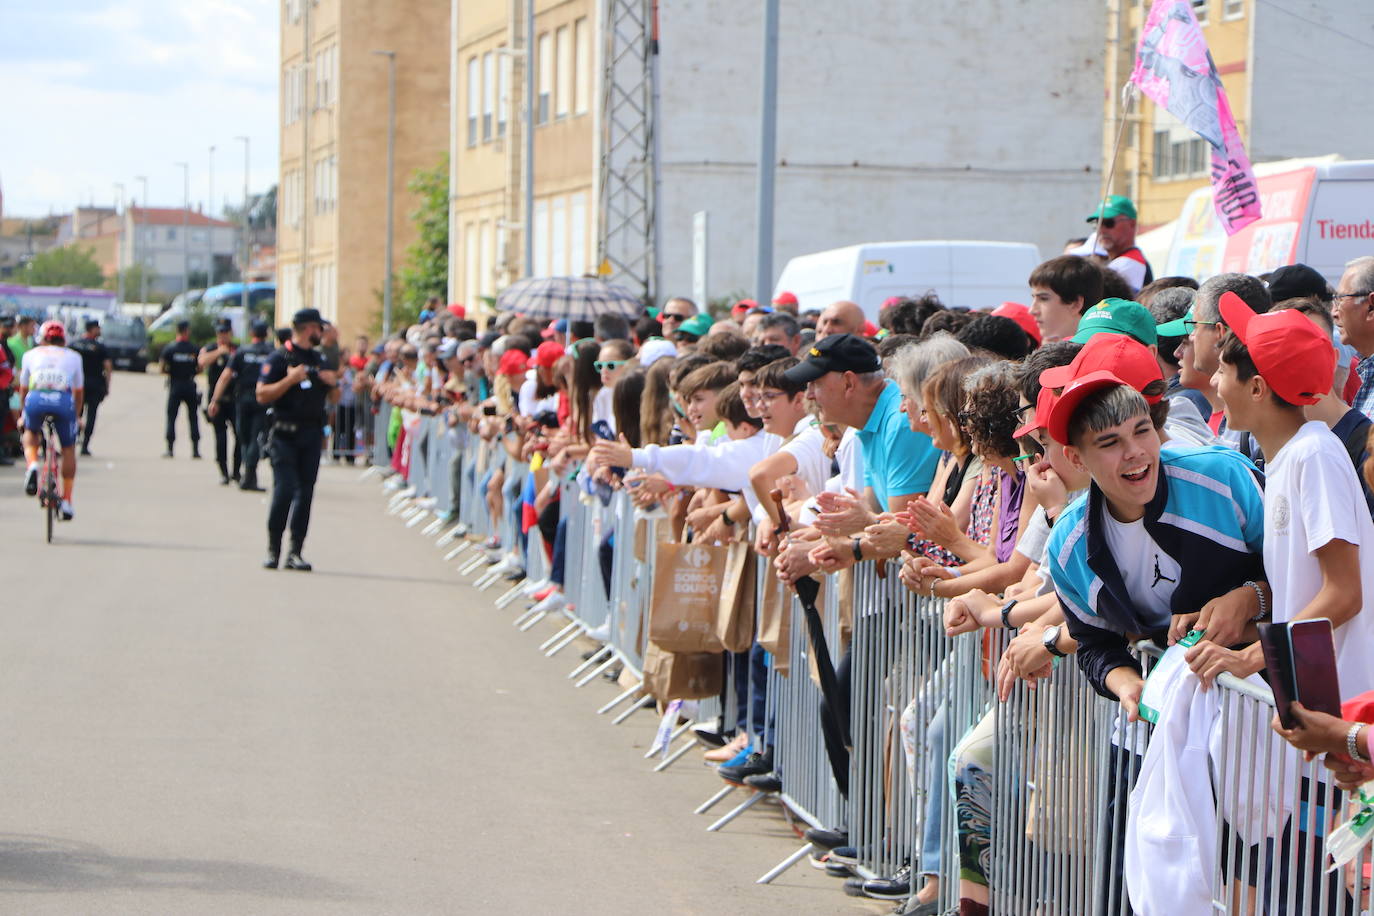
[1352, 743]
[858, 551]
[1006, 614]
[1259, 593]
[725, 517]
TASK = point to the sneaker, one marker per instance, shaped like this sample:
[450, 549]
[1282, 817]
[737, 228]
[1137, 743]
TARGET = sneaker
[854, 887]
[707, 736]
[31, 480]
[845, 855]
[85, 452]
[600, 633]
[68, 513]
[914, 907]
[729, 750]
[894, 888]
[756, 764]
[538, 592]
[824, 838]
[551, 605]
[295, 561]
[769, 783]
[838, 869]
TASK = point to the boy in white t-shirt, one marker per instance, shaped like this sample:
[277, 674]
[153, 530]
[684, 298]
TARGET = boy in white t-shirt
[1315, 522]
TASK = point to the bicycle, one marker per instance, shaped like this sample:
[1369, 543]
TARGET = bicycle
[49, 496]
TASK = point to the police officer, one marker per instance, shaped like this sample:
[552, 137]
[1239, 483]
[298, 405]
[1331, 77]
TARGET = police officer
[296, 385]
[237, 390]
[214, 359]
[97, 367]
[180, 365]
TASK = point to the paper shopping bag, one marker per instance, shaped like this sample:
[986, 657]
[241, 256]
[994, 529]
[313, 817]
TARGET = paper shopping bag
[686, 596]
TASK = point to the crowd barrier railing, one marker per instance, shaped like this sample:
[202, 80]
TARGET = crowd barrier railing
[1054, 764]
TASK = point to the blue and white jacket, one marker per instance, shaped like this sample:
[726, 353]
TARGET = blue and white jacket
[1207, 513]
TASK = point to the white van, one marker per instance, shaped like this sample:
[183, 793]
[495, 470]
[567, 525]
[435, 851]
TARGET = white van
[978, 275]
[1320, 214]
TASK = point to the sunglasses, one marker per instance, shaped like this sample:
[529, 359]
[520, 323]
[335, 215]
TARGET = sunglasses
[671, 316]
[1108, 223]
[601, 365]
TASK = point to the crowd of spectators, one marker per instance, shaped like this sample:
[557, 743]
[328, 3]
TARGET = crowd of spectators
[1114, 462]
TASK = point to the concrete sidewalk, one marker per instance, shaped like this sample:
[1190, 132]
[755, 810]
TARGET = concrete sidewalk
[188, 733]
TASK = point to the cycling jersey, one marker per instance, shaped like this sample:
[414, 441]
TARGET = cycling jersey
[49, 368]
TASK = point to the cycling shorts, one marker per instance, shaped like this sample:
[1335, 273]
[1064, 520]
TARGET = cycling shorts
[56, 404]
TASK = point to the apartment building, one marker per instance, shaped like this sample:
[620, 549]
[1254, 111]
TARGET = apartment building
[1280, 64]
[331, 199]
[894, 122]
[487, 241]
[174, 245]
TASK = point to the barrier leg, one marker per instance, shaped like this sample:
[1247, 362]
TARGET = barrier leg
[675, 756]
[646, 703]
[618, 700]
[570, 628]
[538, 616]
[510, 595]
[457, 550]
[433, 527]
[713, 800]
[739, 809]
[417, 518]
[591, 676]
[567, 641]
[592, 660]
[785, 864]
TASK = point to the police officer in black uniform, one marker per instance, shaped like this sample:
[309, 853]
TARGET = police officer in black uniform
[180, 363]
[237, 390]
[295, 384]
[214, 359]
[96, 367]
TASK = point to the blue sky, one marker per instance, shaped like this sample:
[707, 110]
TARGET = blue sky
[99, 91]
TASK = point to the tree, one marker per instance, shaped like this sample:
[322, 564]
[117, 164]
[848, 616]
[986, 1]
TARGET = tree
[133, 281]
[65, 266]
[425, 271]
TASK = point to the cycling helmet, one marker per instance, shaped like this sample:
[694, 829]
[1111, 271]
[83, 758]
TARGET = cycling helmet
[53, 330]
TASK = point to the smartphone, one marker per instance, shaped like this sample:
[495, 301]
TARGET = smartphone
[1277, 663]
[489, 410]
[1313, 650]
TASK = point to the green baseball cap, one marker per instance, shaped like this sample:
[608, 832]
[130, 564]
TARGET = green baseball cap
[697, 325]
[1176, 328]
[1118, 316]
[1115, 205]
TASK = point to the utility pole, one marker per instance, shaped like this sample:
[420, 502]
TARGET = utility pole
[185, 225]
[119, 261]
[531, 103]
[390, 183]
[209, 230]
[768, 127]
[243, 264]
[142, 267]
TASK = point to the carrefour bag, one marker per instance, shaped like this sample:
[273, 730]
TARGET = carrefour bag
[735, 611]
[686, 596]
[682, 675]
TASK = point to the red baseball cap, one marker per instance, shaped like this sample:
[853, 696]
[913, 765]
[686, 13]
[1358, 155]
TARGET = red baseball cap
[785, 298]
[869, 329]
[1022, 316]
[458, 310]
[512, 362]
[1082, 386]
[1040, 417]
[548, 353]
[1294, 358]
[1124, 357]
[742, 306]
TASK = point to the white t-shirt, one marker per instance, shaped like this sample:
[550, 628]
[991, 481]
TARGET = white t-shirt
[1037, 534]
[1150, 574]
[49, 368]
[806, 447]
[601, 407]
[1312, 497]
[531, 406]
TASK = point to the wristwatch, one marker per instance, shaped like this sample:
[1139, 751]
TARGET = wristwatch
[725, 517]
[1006, 613]
[1050, 639]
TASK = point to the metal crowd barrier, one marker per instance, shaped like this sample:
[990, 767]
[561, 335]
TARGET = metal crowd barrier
[352, 429]
[1061, 760]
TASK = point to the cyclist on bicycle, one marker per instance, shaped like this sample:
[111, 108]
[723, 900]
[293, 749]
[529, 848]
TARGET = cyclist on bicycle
[51, 384]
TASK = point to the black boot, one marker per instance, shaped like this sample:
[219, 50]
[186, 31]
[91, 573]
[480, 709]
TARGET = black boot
[168, 453]
[273, 555]
[195, 449]
[295, 561]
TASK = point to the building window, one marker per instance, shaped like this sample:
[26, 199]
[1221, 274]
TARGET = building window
[293, 11]
[326, 68]
[487, 277]
[540, 268]
[171, 235]
[558, 238]
[474, 98]
[582, 66]
[199, 236]
[502, 92]
[577, 234]
[562, 95]
[1179, 153]
[545, 63]
[488, 93]
[471, 268]
[1200, 10]
[1233, 9]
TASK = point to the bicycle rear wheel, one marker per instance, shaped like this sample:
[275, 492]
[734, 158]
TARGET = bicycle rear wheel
[51, 501]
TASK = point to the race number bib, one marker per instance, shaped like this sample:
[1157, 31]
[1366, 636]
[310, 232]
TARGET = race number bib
[49, 379]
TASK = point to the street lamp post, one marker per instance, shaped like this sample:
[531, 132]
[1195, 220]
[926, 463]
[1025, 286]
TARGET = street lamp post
[185, 226]
[119, 243]
[390, 183]
[243, 264]
[210, 230]
[142, 267]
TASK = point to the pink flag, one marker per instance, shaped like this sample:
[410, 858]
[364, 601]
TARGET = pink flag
[1174, 68]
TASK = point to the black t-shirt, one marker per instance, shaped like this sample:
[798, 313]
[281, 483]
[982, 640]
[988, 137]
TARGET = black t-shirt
[303, 403]
[180, 357]
[246, 364]
[93, 357]
[215, 370]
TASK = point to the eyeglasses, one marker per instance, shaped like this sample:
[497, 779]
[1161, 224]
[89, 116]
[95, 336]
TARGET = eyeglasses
[764, 397]
[672, 316]
[1340, 296]
[1189, 325]
[1020, 412]
[1108, 223]
[601, 365]
[1033, 454]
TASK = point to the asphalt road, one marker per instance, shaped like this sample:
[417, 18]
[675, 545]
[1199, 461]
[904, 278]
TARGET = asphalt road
[185, 732]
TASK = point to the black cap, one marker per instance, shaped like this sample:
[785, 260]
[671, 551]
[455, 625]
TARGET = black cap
[92, 323]
[307, 316]
[224, 325]
[486, 340]
[260, 328]
[1296, 280]
[183, 326]
[836, 353]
